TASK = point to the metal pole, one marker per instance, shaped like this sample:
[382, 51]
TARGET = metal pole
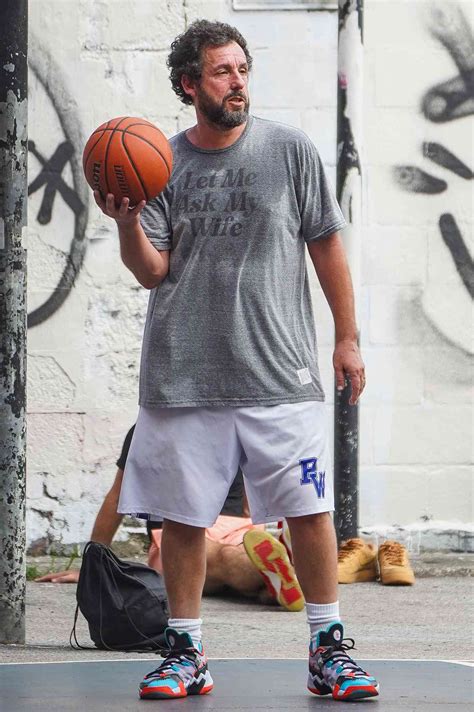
[349, 194]
[13, 206]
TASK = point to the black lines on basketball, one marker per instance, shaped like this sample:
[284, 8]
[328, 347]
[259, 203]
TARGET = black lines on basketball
[89, 152]
[106, 155]
[126, 131]
[132, 163]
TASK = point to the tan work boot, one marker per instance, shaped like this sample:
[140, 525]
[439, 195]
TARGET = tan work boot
[394, 564]
[356, 562]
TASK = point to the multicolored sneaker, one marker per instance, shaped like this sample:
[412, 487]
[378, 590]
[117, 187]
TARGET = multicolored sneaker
[183, 672]
[271, 559]
[332, 670]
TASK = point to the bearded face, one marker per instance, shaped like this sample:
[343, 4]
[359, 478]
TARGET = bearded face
[232, 111]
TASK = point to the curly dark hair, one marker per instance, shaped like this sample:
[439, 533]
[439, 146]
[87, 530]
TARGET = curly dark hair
[186, 51]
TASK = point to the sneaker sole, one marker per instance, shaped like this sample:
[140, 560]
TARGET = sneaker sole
[314, 691]
[170, 696]
[348, 696]
[269, 556]
[362, 575]
[397, 579]
[355, 693]
[194, 689]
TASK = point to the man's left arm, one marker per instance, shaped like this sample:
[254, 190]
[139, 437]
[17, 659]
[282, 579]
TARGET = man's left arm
[330, 262]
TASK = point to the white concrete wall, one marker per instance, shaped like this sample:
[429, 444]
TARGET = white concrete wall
[417, 336]
[92, 60]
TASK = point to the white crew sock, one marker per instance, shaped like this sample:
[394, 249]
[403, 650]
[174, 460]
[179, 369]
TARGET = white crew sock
[320, 616]
[188, 625]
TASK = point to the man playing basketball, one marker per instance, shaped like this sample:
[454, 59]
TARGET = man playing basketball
[229, 372]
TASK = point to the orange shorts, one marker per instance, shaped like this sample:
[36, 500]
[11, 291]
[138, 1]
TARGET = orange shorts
[226, 530]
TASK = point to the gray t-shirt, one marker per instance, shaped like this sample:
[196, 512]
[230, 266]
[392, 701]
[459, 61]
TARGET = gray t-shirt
[232, 322]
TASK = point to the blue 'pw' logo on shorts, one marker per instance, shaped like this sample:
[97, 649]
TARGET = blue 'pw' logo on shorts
[311, 476]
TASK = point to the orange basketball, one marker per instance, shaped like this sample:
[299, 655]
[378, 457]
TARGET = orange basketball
[128, 157]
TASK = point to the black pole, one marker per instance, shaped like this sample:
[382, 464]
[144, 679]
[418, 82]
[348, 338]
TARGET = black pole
[349, 194]
[346, 455]
[13, 207]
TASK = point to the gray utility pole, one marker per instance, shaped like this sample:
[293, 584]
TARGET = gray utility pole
[13, 206]
[349, 194]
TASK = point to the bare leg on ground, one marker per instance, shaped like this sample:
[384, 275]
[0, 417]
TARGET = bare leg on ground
[228, 566]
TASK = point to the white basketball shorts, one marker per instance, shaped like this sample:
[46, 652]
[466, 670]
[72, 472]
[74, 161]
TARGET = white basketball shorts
[182, 462]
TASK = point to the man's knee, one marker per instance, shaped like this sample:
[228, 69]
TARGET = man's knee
[318, 519]
[183, 531]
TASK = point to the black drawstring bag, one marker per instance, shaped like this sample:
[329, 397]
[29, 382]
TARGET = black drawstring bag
[124, 602]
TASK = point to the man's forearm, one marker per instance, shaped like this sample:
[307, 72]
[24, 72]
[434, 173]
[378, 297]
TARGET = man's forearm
[148, 265]
[330, 262]
[107, 521]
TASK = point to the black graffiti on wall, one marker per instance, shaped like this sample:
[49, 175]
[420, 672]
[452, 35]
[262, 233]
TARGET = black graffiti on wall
[454, 98]
[51, 178]
[457, 247]
[415, 180]
[444, 102]
[442, 157]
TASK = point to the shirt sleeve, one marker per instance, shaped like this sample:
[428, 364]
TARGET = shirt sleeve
[320, 212]
[155, 221]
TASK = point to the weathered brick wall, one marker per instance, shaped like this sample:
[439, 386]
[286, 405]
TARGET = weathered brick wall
[96, 59]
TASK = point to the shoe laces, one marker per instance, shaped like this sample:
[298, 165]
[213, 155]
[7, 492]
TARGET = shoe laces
[393, 552]
[348, 548]
[337, 655]
[175, 662]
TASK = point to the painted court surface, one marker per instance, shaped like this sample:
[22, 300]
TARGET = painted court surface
[406, 637]
[249, 684]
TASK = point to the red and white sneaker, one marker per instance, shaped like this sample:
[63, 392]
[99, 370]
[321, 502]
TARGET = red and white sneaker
[285, 538]
[270, 558]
